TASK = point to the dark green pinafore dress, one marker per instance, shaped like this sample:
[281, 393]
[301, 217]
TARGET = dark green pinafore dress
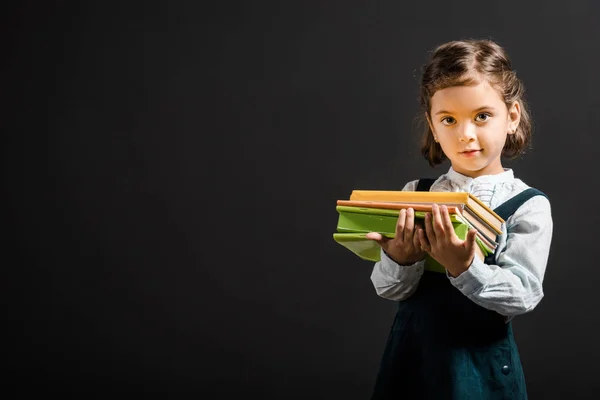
[444, 346]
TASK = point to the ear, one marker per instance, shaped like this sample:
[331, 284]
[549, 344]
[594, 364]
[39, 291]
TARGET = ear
[514, 117]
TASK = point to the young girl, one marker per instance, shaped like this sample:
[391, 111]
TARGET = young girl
[452, 336]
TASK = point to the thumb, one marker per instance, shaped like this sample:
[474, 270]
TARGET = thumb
[376, 236]
[470, 240]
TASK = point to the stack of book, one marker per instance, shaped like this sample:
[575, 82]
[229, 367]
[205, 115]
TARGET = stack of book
[377, 211]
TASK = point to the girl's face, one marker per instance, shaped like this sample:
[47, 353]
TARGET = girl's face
[471, 124]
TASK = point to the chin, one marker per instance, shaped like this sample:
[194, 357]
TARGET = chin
[474, 171]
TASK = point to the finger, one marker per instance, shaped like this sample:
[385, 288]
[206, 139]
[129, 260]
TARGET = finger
[472, 247]
[409, 224]
[416, 240]
[447, 222]
[438, 228]
[423, 241]
[400, 224]
[429, 232]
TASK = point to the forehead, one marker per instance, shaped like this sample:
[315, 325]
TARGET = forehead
[465, 98]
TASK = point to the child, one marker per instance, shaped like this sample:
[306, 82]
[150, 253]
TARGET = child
[452, 336]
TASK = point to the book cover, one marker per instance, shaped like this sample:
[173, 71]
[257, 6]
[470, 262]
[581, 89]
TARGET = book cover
[354, 226]
[358, 219]
[475, 205]
[364, 220]
[452, 208]
[357, 243]
[486, 232]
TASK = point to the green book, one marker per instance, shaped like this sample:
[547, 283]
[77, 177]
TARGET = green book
[357, 243]
[355, 222]
[362, 219]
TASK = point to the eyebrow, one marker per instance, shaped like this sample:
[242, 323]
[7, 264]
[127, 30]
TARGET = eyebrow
[479, 109]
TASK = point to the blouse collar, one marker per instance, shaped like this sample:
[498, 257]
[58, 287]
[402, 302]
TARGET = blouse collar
[463, 180]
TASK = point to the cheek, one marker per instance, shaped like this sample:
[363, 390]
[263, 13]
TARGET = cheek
[495, 129]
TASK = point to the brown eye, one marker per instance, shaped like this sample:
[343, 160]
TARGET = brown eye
[482, 117]
[448, 120]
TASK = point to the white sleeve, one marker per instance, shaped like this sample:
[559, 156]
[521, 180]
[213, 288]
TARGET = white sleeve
[393, 281]
[513, 285]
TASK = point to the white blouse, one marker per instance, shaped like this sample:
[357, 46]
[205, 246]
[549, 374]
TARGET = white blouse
[513, 285]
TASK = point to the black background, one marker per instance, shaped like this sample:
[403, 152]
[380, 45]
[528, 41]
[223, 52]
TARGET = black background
[170, 171]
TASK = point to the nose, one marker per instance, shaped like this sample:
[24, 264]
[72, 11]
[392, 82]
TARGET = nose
[466, 133]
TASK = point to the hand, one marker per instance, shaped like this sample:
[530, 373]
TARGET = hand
[404, 248]
[441, 242]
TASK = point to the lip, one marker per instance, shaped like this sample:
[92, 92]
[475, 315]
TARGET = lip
[470, 153]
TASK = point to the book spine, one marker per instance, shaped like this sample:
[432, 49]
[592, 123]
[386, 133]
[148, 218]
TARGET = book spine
[481, 226]
[484, 213]
[480, 218]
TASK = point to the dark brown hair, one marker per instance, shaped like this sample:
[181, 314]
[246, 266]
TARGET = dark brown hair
[460, 63]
